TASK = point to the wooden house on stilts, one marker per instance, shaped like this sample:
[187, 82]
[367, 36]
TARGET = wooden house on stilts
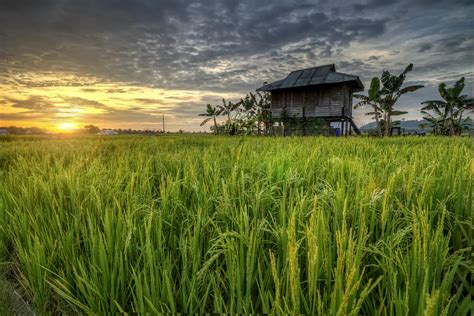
[318, 93]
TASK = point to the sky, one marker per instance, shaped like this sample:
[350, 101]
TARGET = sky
[125, 63]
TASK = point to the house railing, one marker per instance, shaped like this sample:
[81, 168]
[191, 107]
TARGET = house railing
[319, 111]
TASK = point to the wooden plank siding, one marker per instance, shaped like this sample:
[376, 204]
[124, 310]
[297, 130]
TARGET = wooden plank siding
[330, 101]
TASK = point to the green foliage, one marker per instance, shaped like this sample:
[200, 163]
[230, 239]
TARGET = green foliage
[383, 98]
[374, 100]
[242, 225]
[446, 117]
[211, 113]
[251, 115]
[91, 129]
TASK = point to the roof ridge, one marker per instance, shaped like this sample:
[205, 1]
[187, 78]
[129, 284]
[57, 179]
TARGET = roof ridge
[303, 69]
[343, 73]
[313, 76]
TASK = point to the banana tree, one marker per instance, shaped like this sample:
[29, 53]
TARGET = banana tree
[263, 111]
[256, 108]
[437, 120]
[211, 113]
[450, 110]
[390, 93]
[226, 109]
[249, 104]
[372, 99]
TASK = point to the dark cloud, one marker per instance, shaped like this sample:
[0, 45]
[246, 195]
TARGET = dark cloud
[81, 102]
[167, 43]
[222, 46]
[18, 117]
[150, 101]
[33, 104]
[371, 5]
[425, 47]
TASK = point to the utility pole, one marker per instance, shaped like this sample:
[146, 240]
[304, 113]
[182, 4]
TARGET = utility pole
[163, 117]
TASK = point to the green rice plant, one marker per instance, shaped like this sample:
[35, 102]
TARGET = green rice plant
[199, 224]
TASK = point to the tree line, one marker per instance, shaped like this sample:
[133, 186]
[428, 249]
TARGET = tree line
[252, 114]
[444, 117]
[249, 115]
[87, 129]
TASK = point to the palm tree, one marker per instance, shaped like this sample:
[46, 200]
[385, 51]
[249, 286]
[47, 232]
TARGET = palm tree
[391, 91]
[211, 113]
[449, 111]
[372, 99]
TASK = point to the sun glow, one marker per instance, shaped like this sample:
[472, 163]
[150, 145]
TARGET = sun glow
[67, 127]
[63, 104]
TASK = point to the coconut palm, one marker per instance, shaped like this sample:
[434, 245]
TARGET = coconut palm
[450, 110]
[211, 113]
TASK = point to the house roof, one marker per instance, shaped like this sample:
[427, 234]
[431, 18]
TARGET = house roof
[315, 76]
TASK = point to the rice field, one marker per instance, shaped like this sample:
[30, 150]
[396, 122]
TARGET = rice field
[197, 224]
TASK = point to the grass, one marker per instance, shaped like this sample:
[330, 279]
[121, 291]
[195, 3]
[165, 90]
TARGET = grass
[238, 225]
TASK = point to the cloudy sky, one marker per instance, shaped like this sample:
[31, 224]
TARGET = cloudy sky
[123, 63]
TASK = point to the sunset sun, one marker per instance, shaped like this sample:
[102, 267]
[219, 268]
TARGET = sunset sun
[67, 127]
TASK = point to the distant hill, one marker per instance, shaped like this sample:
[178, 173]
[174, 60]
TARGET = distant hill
[408, 125]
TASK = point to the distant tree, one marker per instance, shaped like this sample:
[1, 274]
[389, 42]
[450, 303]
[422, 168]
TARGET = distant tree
[15, 130]
[211, 113]
[36, 131]
[91, 129]
[446, 116]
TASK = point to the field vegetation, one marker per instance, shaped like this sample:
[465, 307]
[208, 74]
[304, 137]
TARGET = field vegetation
[236, 225]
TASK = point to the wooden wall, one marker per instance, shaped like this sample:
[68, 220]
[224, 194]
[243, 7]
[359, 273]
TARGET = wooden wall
[313, 101]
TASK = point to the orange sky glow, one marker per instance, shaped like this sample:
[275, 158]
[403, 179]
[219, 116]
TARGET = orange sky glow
[64, 103]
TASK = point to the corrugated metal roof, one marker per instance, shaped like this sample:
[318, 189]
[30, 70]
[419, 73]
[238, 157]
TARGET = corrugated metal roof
[312, 77]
